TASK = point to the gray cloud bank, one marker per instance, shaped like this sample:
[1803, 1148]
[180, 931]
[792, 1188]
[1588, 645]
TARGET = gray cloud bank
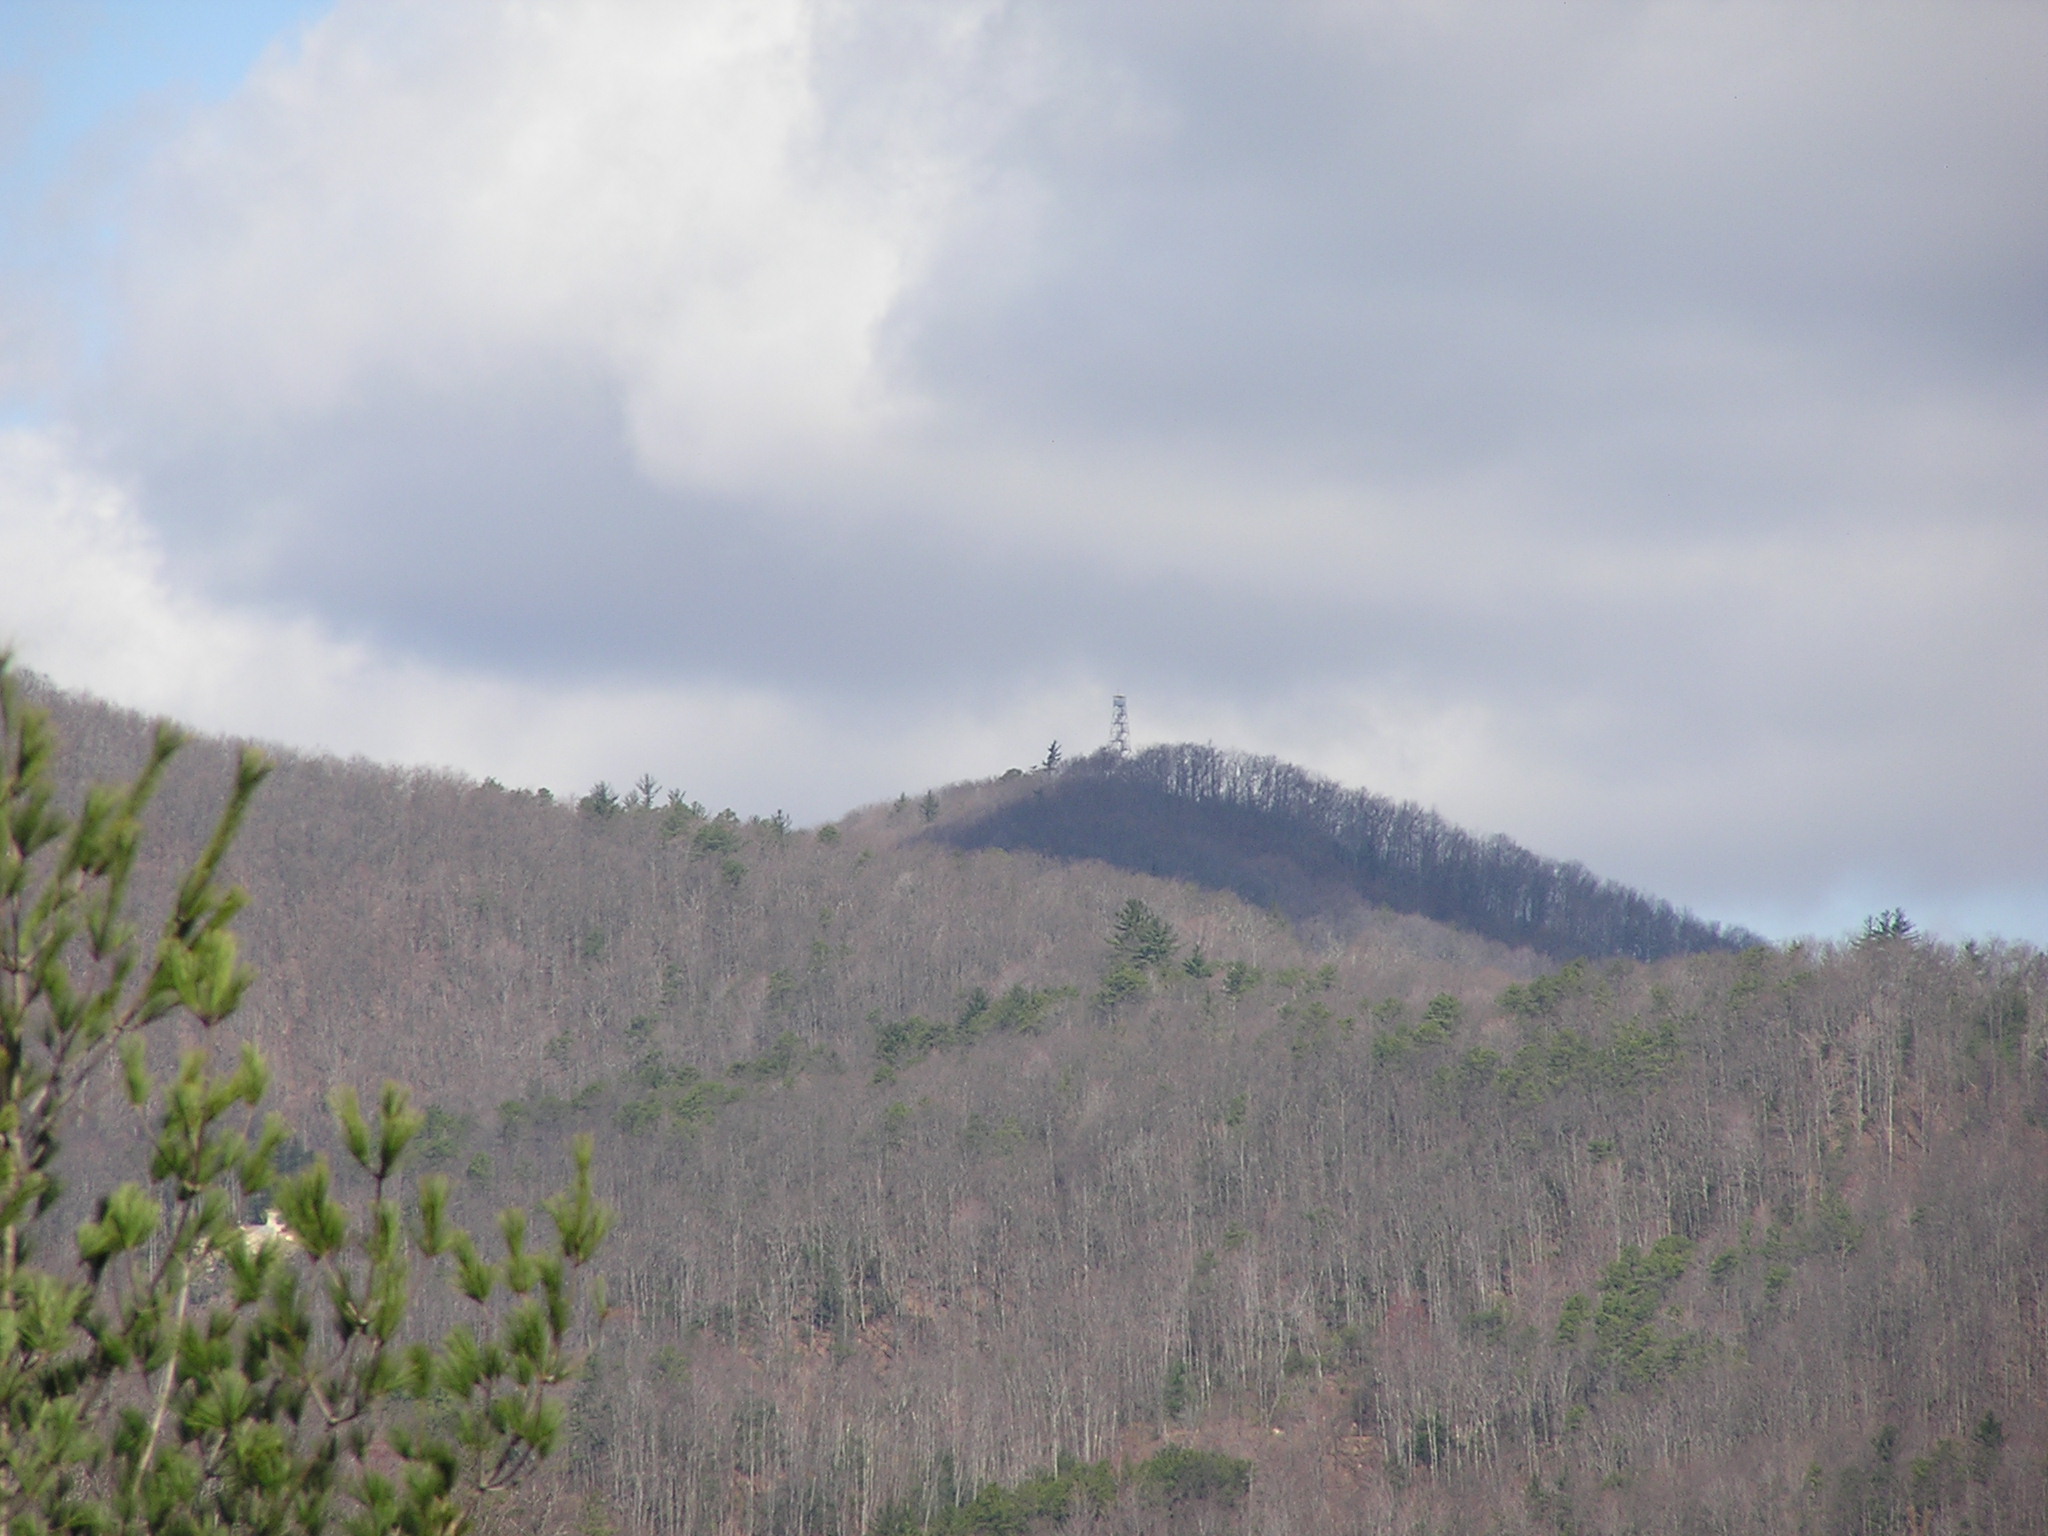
[1620, 425]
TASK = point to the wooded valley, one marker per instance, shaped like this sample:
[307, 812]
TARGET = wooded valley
[987, 1161]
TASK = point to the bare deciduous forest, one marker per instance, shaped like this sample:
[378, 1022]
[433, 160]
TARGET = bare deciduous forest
[966, 1189]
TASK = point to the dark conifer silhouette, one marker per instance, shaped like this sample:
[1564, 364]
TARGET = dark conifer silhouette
[1282, 837]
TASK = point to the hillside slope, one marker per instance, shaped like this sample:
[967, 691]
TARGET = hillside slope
[1282, 837]
[928, 1185]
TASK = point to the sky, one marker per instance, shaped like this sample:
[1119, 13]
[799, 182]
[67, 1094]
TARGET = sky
[1621, 425]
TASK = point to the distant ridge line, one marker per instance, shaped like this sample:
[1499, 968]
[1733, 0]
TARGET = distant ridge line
[1227, 818]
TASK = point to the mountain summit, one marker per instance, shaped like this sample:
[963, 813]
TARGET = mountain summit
[1283, 838]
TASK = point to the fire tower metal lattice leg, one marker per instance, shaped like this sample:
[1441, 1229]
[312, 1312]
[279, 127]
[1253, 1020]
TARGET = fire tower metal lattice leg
[1119, 728]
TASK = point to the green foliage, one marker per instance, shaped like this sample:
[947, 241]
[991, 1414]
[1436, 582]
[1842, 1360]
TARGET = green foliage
[1174, 1478]
[1442, 1016]
[1989, 1433]
[655, 1094]
[905, 1042]
[1181, 1475]
[1300, 979]
[982, 1136]
[1487, 1327]
[1241, 978]
[1546, 995]
[679, 816]
[1142, 938]
[1431, 1441]
[783, 991]
[1314, 1028]
[1835, 1228]
[1871, 1495]
[719, 835]
[1936, 1479]
[187, 1373]
[1571, 1321]
[779, 1063]
[696, 1103]
[1829, 1228]
[1072, 1487]
[1476, 1070]
[1173, 1397]
[1632, 1058]
[1887, 925]
[1120, 984]
[1626, 1337]
[895, 1125]
[1987, 1446]
[602, 802]
[2001, 1022]
[1440, 1020]
[847, 1291]
[1141, 944]
[1391, 1047]
[1021, 1011]
[443, 1134]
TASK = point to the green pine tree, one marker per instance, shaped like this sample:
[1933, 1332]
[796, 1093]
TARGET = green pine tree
[171, 1370]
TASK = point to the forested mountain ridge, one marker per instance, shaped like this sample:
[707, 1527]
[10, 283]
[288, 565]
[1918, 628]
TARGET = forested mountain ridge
[944, 1171]
[1280, 836]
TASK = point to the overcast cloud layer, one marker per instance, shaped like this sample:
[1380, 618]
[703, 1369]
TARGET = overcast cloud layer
[1624, 426]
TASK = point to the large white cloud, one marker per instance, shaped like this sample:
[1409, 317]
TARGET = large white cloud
[90, 602]
[428, 197]
[1621, 426]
